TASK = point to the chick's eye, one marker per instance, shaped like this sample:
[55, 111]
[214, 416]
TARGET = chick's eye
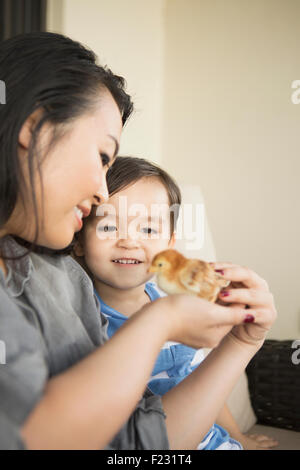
[160, 264]
[105, 159]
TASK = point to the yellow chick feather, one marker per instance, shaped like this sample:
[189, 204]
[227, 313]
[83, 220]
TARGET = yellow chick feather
[177, 274]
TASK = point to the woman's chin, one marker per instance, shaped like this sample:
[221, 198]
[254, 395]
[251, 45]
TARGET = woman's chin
[58, 241]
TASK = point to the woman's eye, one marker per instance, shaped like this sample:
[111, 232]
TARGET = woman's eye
[105, 159]
[107, 228]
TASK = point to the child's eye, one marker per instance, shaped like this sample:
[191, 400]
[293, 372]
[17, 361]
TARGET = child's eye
[148, 230]
[107, 228]
[105, 159]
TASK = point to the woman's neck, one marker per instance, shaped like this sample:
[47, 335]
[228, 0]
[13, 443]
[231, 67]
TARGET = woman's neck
[125, 301]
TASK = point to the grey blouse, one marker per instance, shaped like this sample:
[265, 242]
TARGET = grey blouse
[50, 320]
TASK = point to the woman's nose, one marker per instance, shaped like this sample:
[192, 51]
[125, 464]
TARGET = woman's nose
[102, 194]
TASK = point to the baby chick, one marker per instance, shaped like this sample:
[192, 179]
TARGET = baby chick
[179, 275]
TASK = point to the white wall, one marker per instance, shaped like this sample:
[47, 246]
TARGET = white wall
[211, 80]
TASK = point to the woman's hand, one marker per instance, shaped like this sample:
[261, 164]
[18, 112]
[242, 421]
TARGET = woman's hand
[194, 321]
[248, 290]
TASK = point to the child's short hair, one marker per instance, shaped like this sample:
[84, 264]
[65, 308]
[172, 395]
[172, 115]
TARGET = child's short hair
[128, 170]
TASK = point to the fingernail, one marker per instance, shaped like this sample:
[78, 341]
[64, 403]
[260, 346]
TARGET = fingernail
[220, 271]
[224, 293]
[249, 319]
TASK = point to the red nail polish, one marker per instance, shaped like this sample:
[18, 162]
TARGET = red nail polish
[220, 271]
[224, 293]
[249, 319]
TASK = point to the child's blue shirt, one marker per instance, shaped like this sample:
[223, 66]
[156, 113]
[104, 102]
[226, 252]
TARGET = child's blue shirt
[174, 362]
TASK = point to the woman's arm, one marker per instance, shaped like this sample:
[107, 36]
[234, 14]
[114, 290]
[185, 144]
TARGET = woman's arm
[84, 407]
[87, 405]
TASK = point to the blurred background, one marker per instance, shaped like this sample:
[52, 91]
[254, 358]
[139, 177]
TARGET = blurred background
[212, 86]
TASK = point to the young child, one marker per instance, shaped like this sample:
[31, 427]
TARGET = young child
[116, 247]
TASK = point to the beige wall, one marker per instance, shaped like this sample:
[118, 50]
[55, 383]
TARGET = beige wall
[229, 125]
[212, 83]
[127, 35]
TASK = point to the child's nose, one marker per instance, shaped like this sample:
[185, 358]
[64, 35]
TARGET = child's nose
[128, 243]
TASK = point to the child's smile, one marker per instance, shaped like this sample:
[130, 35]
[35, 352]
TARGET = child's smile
[127, 262]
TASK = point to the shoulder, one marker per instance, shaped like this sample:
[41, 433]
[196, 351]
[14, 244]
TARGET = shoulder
[60, 273]
[56, 294]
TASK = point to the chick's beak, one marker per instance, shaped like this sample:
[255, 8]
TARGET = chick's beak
[152, 269]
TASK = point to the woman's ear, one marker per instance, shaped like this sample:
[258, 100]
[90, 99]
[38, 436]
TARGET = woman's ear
[27, 128]
[172, 240]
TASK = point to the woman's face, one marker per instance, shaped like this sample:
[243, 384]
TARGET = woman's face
[73, 173]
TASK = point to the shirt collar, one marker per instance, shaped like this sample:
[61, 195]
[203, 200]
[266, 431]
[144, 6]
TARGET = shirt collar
[18, 270]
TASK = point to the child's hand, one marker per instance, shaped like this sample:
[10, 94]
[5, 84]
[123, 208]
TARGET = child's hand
[257, 442]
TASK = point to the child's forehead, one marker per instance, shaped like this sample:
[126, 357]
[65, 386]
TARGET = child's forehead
[146, 190]
[137, 210]
[147, 198]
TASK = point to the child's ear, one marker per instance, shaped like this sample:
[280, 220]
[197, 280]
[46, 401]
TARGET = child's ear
[78, 248]
[172, 240]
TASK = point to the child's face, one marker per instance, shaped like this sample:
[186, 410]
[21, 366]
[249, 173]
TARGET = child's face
[105, 242]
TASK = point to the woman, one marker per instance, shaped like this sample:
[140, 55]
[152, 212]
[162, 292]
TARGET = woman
[60, 387]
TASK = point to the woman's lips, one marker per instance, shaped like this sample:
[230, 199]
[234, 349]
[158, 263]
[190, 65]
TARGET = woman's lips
[79, 221]
[80, 212]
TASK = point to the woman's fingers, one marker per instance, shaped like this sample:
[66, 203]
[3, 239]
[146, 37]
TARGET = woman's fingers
[235, 273]
[232, 315]
[260, 305]
[251, 297]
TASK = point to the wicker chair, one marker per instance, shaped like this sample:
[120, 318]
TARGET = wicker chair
[274, 386]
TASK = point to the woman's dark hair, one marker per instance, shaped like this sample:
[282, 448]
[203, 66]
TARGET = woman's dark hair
[58, 75]
[126, 171]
